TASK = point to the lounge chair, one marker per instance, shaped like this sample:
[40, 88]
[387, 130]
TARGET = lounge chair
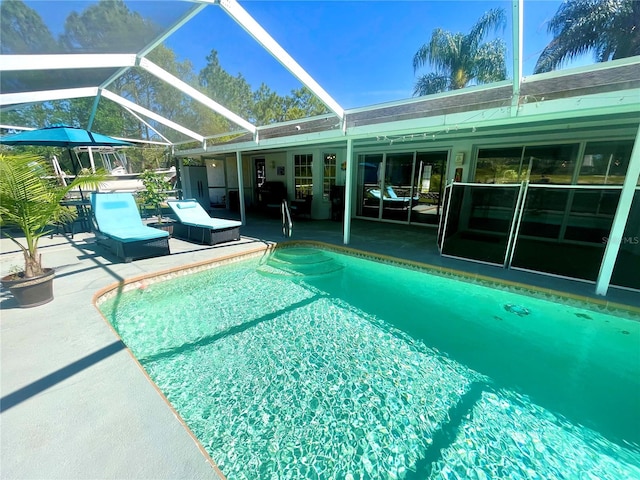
[119, 228]
[195, 224]
[390, 198]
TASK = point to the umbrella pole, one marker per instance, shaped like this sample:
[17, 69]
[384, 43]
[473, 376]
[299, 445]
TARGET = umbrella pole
[93, 164]
[58, 170]
[75, 171]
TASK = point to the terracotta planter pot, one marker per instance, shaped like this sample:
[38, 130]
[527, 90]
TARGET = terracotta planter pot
[31, 292]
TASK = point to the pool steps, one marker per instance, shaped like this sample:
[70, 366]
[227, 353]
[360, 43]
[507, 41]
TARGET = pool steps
[299, 262]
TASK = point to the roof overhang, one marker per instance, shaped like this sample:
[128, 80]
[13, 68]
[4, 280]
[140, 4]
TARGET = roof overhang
[569, 99]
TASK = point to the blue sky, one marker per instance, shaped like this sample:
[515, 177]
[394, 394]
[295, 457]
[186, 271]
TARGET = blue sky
[360, 51]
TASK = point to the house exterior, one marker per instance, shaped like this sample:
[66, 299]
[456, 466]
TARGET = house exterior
[538, 173]
[536, 179]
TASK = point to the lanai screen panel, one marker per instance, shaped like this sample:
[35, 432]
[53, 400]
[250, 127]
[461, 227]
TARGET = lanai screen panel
[359, 53]
[230, 67]
[33, 81]
[561, 35]
[57, 27]
[71, 27]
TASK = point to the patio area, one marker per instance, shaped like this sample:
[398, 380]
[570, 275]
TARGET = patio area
[76, 405]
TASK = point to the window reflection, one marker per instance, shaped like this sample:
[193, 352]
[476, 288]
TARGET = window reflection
[537, 164]
[405, 186]
[428, 186]
[625, 272]
[605, 163]
[499, 165]
[397, 192]
[550, 163]
[328, 175]
[303, 176]
[369, 167]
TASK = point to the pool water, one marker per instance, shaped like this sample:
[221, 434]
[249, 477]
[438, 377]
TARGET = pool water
[313, 364]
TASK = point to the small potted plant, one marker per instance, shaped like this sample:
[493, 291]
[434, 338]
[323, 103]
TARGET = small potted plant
[30, 199]
[154, 195]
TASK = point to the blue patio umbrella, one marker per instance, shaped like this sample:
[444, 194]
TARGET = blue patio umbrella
[63, 136]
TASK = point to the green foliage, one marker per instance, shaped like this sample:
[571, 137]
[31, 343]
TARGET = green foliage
[303, 103]
[608, 28]
[269, 107]
[110, 26]
[23, 31]
[231, 91]
[458, 59]
[155, 192]
[30, 200]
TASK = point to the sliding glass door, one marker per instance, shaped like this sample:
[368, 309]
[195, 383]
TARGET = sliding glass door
[428, 180]
[404, 187]
[397, 186]
[369, 185]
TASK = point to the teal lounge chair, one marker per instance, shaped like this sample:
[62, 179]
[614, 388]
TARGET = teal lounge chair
[195, 224]
[119, 228]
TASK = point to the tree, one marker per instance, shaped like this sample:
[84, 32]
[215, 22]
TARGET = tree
[155, 191]
[303, 103]
[608, 28]
[30, 199]
[23, 31]
[232, 92]
[269, 107]
[458, 59]
[108, 26]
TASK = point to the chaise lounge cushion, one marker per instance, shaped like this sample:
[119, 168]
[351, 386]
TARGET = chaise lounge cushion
[190, 212]
[196, 225]
[118, 217]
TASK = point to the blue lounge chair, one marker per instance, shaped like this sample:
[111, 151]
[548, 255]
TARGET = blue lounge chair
[195, 224]
[119, 228]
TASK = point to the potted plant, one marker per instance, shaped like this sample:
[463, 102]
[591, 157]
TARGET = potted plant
[30, 199]
[154, 195]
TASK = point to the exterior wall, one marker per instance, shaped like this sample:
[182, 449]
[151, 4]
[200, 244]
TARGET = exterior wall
[462, 155]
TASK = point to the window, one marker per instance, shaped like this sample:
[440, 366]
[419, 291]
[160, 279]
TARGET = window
[499, 165]
[538, 164]
[550, 163]
[605, 163]
[329, 174]
[303, 175]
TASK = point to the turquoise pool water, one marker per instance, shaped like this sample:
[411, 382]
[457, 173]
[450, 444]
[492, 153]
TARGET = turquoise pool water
[314, 364]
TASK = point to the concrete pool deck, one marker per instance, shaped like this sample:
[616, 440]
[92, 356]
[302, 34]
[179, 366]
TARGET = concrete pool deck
[75, 405]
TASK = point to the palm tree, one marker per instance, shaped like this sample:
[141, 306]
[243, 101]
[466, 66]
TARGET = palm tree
[608, 28]
[30, 199]
[458, 58]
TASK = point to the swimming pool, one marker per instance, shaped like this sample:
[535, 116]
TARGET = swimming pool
[314, 364]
